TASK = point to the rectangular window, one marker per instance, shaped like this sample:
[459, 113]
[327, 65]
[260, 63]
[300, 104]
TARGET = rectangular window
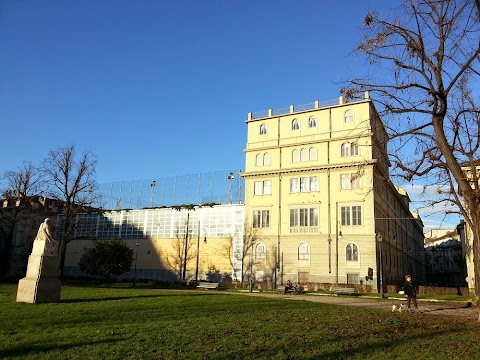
[304, 217]
[349, 181]
[345, 150]
[313, 183]
[345, 181]
[351, 215]
[265, 218]
[294, 185]
[266, 187]
[262, 188]
[313, 217]
[261, 219]
[355, 181]
[304, 184]
[256, 218]
[345, 214]
[293, 217]
[356, 215]
[258, 188]
[354, 149]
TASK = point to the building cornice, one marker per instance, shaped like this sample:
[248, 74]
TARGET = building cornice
[306, 169]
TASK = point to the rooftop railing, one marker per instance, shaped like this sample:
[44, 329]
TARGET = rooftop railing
[317, 104]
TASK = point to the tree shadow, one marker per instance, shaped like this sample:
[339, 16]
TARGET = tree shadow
[467, 306]
[111, 298]
[38, 349]
[178, 293]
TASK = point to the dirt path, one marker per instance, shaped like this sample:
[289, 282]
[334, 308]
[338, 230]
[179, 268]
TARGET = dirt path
[440, 308]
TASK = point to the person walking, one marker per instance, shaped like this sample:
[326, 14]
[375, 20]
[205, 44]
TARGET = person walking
[410, 292]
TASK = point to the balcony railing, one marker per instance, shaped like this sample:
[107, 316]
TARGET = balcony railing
[304, 230]
[317, 104]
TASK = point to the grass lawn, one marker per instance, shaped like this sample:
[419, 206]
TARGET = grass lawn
[122, 323]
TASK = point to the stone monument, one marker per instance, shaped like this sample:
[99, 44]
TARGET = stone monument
[41, 285]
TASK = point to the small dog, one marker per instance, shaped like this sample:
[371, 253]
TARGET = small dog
[398, 307]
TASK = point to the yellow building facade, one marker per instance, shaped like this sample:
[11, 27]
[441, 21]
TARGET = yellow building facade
[169, 244]
[319, 199]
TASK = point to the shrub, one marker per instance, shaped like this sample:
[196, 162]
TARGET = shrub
[106, 258]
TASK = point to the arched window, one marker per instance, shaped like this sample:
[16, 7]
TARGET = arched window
[303, 252]
[348, 117]
[260, 251]
[295, 125]
[304, 155]
[266, 159]
[263, 129]
[312, 121]
[259, 160]
[354, 148]
[313, 154]
[296, 155]
[345, 150]
[352, 252]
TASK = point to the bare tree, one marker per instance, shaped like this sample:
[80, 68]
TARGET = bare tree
[426, 57]
[25, 181]
[20, 185]
[250, 238]
[179, 257]
[71, 180]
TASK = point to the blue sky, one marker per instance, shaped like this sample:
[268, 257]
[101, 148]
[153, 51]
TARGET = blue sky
[163, 88]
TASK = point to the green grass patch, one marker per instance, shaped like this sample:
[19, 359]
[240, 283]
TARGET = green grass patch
[126, 323]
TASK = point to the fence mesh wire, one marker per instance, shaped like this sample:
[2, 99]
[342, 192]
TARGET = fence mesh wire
[223, 187]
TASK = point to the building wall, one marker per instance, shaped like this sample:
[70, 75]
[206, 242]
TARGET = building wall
[446, 264]
[341, 150]
[160, 235]
[157, 259]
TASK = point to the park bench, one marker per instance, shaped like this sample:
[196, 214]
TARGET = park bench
[342, 291]
[207, 285]
[294, 289]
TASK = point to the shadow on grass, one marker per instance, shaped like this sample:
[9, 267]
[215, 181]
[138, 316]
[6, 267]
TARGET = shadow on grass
[467, 306]
[38, 349]
[381, 346]
[115, 298]
[111, 298]
[350, 349]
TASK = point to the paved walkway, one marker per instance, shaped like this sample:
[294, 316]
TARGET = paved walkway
[440, 308]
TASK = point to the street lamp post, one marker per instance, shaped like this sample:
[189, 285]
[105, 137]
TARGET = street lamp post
[231, 177]
[186, 250]
[338, 237]
[329, 253]
[152, 190]
[379, 239]
[135, 268]
[198, 250]
[250, 275]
